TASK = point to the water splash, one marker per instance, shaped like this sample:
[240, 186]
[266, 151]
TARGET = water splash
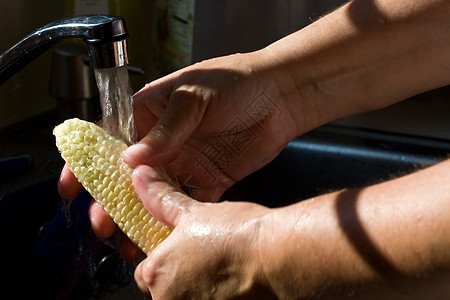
[116, 102]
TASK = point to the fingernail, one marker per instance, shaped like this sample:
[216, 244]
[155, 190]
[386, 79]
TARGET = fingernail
[137, 150]
[146, 174]
[137, 154]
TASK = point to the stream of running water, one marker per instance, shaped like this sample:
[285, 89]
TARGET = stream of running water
[116, 103]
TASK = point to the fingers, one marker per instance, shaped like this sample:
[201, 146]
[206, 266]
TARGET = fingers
[184, 112]
[142, 284]
[101, 223]
[107, 231]
[162, 200]
[68, 185]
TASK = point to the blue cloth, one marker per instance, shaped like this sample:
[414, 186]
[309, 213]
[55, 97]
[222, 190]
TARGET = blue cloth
[62, 238]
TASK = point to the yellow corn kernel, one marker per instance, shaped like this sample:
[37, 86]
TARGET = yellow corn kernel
[94, 157]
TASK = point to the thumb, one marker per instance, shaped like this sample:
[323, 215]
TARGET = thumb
[164, 201]
[184, 112]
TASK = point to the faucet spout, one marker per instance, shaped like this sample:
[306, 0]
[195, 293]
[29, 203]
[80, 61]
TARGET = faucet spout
[105, 36]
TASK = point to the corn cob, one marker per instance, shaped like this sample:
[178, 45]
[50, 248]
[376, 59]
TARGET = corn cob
[94, 157]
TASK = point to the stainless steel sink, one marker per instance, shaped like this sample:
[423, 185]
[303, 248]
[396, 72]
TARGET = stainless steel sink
[332, 158]
[326, 159]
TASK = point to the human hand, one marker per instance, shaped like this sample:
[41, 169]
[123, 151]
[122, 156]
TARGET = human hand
[211, 124]
[207, 126]
[213, 250]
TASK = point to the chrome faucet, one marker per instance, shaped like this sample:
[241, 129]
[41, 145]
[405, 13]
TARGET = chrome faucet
[105, 36]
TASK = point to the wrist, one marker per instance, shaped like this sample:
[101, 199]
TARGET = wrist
[286, 254]
[288, 78]
[274, 81]
[302, 251]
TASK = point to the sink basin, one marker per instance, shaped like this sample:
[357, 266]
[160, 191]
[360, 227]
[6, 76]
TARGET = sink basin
[326, 159]
[331, 158]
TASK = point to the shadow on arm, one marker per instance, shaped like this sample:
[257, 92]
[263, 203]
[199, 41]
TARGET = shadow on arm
[358, 237]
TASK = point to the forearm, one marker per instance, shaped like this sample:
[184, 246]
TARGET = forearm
[390, 240]
[363, 56]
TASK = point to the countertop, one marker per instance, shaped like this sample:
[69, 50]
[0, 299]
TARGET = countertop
[426, 115]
